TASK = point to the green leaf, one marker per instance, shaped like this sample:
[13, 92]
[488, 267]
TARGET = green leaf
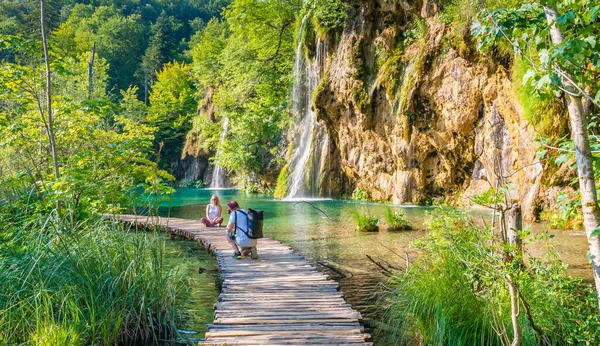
[528, 75]
[596, 232]
[591, 40]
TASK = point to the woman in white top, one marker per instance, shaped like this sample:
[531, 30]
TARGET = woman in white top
[213, 213]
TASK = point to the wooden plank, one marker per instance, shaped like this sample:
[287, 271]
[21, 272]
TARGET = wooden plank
[278, 299]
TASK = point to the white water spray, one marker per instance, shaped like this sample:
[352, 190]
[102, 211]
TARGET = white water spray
[218, 175]
[304, 175]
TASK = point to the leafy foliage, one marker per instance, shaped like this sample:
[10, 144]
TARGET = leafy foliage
[527, 30]
[103, 156]
[247, 59]
[171, 110]
[455, 293]
[330, 15]
[359, 194]
[135, 38]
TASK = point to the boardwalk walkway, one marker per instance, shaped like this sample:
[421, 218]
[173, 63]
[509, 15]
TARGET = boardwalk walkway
[278, 299]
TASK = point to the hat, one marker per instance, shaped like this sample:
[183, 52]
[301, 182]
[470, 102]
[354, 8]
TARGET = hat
[232, 205]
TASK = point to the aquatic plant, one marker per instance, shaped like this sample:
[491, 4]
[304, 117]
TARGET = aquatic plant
[365, 222]
[396, 220]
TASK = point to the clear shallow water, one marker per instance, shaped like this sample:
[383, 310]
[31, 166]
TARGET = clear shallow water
[185, 257]
[333, 241]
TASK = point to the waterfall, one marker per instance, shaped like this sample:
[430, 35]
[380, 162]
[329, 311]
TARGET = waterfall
[405, 178]
[218, 175]
[306, 162]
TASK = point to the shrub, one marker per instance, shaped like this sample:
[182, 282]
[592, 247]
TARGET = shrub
[566, 213]
[359, 194]
[365, 222]
[396, 220]
[456, 292]
[330, 14]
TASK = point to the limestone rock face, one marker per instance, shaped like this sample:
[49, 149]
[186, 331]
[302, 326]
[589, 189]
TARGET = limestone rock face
[194, 164]
[425, 123]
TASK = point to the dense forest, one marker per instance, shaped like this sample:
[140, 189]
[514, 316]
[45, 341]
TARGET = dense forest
[109, 106]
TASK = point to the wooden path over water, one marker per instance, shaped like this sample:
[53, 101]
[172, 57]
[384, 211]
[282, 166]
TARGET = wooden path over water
[278, 299]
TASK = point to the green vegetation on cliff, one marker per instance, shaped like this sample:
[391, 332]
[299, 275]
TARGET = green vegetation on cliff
[247, 60]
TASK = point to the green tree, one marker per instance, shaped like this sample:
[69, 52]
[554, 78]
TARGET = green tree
[131, 107]
[563, 36]
[160, 50]
[102, 156]
[248, 60]
[172, 105]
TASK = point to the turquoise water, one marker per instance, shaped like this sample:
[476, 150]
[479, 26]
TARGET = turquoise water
[332, 243]
[200, 291]
[318, 236]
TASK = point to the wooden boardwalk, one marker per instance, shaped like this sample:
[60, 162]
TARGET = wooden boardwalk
[278, 299]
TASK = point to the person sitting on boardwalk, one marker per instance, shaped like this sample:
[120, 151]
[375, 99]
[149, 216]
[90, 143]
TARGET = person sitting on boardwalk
[213, 213]
[238, 236]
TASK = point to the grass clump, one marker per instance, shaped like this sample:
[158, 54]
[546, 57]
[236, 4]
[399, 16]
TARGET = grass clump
[396, 220]
[92, 284]
[546, 113]
[456, 292]
[365, 222]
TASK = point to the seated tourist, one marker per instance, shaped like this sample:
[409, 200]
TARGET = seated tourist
[213, 213]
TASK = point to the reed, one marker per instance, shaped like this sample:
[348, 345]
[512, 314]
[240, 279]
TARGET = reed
[396, 221]
[365, 222]
[456, 292]
[89, 284]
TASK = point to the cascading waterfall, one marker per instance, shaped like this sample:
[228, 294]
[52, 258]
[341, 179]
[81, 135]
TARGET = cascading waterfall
[306, 162]
[219, 174]
[405, 176]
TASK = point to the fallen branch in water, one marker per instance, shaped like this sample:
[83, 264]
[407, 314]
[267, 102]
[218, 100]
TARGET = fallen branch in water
[380, 266]
[332, 268]
[394, 252]
[324, 213]
[341, 267]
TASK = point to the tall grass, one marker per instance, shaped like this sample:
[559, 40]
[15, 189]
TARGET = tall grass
[396, 220]
[456, 293]
[92, 284]
[365, 222]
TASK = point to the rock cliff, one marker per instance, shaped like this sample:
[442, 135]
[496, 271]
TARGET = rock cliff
[410, 117]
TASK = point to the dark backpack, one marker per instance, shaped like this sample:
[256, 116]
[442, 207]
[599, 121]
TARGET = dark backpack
[255, 223]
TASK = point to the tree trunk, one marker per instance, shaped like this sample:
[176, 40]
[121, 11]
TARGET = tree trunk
[515, 223]
[49, 123]
[91, 72]
[583, 154]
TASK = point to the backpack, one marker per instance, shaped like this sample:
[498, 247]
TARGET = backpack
[255, 223]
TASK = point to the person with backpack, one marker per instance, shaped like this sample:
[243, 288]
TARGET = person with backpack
[239, 232]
